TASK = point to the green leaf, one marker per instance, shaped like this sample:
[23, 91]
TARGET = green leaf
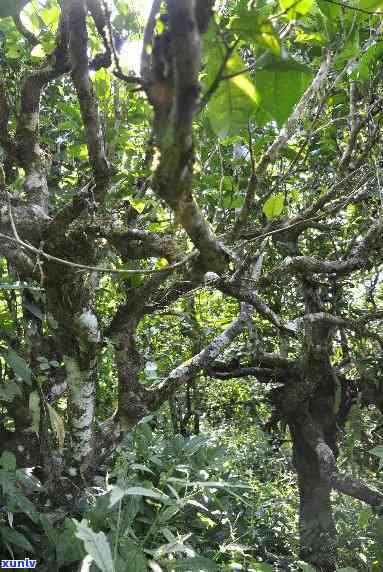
[34, 309]
[234, 101]
[262, 117]
[279, 85]
[351, 50]
[13, 537]
[261, 567]
[373, 53]
[347, 569]
[27, 507]
[9, 390]
[102, 84]
[52, 534]
[274, 206]
[34, 406]
[371, 5]
[364, 516]
[134, 557]
[138, 205]
[294, 8]
[11, 7]
[50, 16]
[8, 461]
[19, 366]
[305, 567]
[38, 52]
[96, 545]
[310, 38]
[328, 9]
[378, 452]
[69, 548]
[118, 493]
[168, 513]
[256, 29]
[48, 42]
[13, 52]
[233, 201]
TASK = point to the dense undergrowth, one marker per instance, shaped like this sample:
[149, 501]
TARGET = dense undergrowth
[224, 501]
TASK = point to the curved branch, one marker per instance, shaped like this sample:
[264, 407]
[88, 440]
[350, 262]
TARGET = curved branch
[339, 322]
[356, 489]
[148, 38]
[28, 35]
[360, 258]
[186, 371]
[242, 293]
[328, 469]
[41, 253]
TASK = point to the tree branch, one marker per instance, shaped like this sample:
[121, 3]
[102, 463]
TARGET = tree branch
[28, 35]
[78, 43]
[29, 154]
[339, 322]
[358, 260]
[272, 152]
[6, 141]
[172, 78]
[239, 291]
[186, 371]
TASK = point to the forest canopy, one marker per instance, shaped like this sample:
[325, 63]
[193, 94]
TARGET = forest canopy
[190, 285]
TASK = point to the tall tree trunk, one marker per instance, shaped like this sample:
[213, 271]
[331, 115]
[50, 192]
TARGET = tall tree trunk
[77, 334]
[81, 380]
[308, 406]
[316, 524]
[133, 399]
[313, 424]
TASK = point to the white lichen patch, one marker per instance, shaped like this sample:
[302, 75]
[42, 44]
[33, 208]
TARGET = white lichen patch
[88, 324]
[40, 213]
[81, 404]
[74, 376]
[31, 121]
[210, 277]
[34, 180]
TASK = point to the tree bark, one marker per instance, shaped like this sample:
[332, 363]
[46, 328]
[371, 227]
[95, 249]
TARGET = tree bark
[316, 523]
[313, 430]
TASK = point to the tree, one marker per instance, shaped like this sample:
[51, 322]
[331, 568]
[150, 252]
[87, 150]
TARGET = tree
[244, 159]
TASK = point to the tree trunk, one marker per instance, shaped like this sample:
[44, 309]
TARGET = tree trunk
[77, 334]
[312, 427]
[316, 524]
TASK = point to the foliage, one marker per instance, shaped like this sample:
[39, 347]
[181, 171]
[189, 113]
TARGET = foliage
[190, 285]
